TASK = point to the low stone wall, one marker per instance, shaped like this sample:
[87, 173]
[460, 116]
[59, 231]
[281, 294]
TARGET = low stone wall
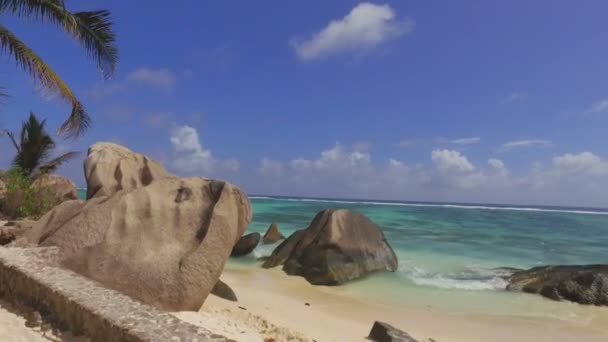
[31, 276]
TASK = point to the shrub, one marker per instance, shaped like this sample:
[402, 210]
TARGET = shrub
[21, 200]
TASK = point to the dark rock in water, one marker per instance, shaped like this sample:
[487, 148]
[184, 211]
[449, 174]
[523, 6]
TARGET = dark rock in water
[272, 235]
[338, 246]
[224, 291]
[583, 284]
[383, 332]
[282, 252]
[246, 244]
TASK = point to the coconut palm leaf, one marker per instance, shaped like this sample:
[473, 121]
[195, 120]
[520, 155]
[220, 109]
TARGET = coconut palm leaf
[28, 60]
[51, 166]
[92, 29]
[11, 136]
[35, 145]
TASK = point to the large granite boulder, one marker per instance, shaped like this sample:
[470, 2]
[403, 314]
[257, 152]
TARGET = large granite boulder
[61, 188]
[583, 284]
[272, 235]
[338, 246]
[384, 332]
[246, 244]
[110, 168]
[163, 242]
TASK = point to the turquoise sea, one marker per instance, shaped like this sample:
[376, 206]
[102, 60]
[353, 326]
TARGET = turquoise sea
[447, 252]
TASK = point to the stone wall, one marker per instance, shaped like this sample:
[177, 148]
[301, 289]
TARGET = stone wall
[31, 276]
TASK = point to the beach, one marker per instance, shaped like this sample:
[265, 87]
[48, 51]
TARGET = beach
[277, 302]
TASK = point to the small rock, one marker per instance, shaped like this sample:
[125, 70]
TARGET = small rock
[246, 244]
[383, 332]
[242, 308]
[224, 291]
[272, 235]
[307, 304]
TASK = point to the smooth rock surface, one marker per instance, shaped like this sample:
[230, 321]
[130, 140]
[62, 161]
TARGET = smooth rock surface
[384, 332]
[246, 244]
[166, 244]
[338, 246]
[272, 235]
[62, 188]
[224, 291]
[110, 168]
[583, 284]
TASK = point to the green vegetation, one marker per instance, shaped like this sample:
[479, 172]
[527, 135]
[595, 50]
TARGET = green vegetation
[21, 199]
[34, 145]
[92, 29]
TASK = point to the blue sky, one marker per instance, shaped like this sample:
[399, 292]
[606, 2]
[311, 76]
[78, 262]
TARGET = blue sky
[470, 101]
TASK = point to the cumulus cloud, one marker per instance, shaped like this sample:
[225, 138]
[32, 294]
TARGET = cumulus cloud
[449, 160]
[584, 162]
[508, 146]
[341, 171]
[159, 78]
[466, 141]
[365, 27]
[190, 158]
[514, 97]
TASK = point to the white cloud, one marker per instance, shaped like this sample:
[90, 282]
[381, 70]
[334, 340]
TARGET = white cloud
[365, 27]
[160, 78]
[514, 97]
[508, 146]
[600, 107]
[342, 172]
[190, 156]
[496, 163]
[465, 141]
[584, 162]
[447, 160]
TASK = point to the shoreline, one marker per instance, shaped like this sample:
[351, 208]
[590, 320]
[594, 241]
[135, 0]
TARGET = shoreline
[278, 299]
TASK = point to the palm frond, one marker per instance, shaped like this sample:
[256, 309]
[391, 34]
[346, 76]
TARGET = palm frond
[27, 59]
[35, 145]
[52, 165]
[11, 136]
[92, 29]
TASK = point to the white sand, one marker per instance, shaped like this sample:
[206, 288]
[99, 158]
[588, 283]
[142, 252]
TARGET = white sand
[271, 296]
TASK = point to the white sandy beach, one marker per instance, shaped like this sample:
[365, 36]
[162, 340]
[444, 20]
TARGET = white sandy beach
[273, 299]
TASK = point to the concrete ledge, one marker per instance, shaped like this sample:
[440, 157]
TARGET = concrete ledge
[31, 276]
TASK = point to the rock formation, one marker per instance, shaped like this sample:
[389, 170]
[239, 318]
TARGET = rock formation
[583, 284]
[61, 187]
[110, 168]
[246, 244]
[158, 238]
[384, 332]
[272, 235]
[338, 246]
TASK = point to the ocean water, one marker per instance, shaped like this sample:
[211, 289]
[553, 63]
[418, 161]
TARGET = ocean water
[448, 252]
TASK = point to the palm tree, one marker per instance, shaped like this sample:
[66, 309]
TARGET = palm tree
[34, 147]
[92, 29]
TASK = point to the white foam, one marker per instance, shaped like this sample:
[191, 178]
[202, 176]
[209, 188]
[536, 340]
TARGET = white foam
[432, 205]
[473, 279]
